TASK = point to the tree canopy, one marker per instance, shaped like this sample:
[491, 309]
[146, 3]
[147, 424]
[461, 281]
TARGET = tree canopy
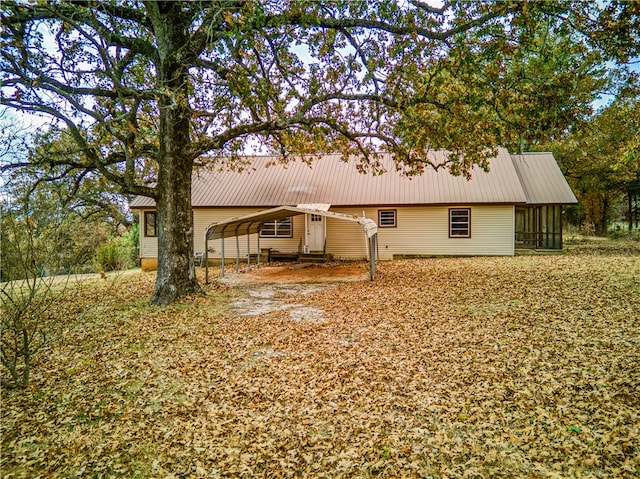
[601, 159]
[148, 90]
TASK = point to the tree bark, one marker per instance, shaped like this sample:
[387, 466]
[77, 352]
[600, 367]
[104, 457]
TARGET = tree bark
[630, 206]
[176, 276]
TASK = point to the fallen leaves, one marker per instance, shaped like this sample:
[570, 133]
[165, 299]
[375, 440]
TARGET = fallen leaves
[447, 367]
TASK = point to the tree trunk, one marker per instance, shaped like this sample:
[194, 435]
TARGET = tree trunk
[176, 273]
[630, 210]
[604, 214]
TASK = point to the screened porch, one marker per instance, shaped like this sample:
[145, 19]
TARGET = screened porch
[539, 227]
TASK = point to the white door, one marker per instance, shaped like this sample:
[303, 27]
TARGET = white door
[316, 232]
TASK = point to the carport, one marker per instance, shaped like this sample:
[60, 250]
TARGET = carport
[252, 224]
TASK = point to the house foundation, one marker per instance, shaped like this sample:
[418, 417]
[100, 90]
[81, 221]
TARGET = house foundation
[149, 264]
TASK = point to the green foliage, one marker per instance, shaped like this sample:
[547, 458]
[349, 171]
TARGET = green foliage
[41, 238]
[132, 243]
[52, 223]
[116, 254]
[309, 77]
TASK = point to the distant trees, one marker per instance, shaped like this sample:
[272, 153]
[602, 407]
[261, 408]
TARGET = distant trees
[53, 222]
[601, 159]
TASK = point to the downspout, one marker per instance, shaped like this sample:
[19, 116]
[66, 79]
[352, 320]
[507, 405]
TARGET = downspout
[372, 255]
[306, 232]
[324, 246]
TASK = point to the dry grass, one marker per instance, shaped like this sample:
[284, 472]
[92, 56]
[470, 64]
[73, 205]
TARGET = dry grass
[474, 367]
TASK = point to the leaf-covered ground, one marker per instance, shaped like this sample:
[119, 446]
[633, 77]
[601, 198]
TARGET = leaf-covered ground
[452, 367]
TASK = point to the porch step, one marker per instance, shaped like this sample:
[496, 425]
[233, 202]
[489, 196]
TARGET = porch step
[314, 257]
[280, 256]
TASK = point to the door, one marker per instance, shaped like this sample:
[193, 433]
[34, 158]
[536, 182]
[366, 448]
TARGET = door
[315, 238]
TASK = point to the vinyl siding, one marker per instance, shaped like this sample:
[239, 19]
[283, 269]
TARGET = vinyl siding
[148, 245]
[424, 230]
[421, 230]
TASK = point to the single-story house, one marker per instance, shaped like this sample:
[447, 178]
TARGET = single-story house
[517, 203]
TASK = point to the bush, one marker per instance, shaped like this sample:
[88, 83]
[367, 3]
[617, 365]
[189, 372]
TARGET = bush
[132, 242]
[588, 229]
[28, 325]
[113, 255]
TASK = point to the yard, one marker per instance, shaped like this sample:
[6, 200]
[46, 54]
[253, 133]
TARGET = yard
[452, 367]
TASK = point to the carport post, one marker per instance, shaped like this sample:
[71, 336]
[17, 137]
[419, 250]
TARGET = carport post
[206, 259]
[258, 247]
[237, 250]
[222, 252]
[372, 255]
[248, 248]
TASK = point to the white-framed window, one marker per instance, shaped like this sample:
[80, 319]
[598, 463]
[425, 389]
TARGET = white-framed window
[460, 223]
[277, 229]
[316, 217]
[387, 218]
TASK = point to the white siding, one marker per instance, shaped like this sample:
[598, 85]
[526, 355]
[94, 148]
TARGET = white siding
[421, 230]
[148, 245]
[424, 230]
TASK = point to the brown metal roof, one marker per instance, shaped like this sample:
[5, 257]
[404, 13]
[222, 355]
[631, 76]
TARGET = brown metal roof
[542, 180]
[330, 180]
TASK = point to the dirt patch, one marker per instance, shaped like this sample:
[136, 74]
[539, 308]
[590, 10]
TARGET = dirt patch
[280, 273]
[263, 298]
[275, 287]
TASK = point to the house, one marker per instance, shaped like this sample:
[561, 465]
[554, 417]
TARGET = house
[517, 203]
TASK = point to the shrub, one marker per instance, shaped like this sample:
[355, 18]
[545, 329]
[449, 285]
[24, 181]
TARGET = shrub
[132, 243]
[27, 326]
[113, 255]
[588, 229]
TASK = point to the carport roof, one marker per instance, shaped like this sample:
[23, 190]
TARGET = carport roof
[251, 223]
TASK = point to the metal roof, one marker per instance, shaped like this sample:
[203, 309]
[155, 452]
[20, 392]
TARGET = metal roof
[252, 223]
[542, 180]
[267, 183]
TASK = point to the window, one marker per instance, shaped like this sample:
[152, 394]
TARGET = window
[316, 217]
[387, 218]
[150, 223]
[277, 229]
[460, 223]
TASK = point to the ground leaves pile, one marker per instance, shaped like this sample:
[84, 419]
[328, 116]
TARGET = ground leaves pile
[475, 367]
